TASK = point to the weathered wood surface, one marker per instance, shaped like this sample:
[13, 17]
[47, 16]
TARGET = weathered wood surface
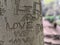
[20, 22]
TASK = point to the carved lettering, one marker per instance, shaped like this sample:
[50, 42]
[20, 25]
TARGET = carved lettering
[15, 26]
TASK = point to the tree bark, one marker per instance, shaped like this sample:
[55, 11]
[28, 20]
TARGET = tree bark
[21, 22]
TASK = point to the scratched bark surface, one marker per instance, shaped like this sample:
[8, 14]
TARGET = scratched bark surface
[20, 22]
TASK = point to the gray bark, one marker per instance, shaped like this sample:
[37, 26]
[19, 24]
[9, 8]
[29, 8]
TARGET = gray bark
[21, 22]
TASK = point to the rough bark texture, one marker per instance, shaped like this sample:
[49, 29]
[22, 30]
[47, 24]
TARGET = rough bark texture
[20, 22]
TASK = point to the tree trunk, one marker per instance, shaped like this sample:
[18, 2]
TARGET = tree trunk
[21, 22]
